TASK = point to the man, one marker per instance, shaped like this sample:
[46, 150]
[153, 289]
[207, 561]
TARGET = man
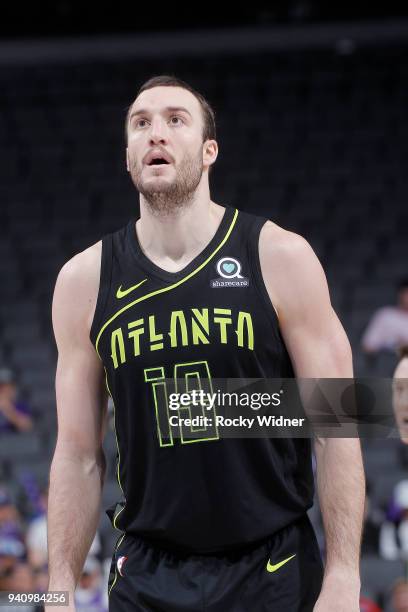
[14, 414]
[399, 595]
[388, 327]
[400, 394]
[197, 290]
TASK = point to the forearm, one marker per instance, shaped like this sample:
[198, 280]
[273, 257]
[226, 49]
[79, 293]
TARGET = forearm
[73, 514]
[341, 489]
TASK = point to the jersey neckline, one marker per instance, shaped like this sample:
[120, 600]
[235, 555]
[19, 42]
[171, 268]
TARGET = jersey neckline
[155, 270]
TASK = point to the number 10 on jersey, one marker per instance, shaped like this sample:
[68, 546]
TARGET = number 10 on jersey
[190, 376]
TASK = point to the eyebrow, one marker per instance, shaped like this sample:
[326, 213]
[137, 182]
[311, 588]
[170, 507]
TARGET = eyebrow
[173, 109]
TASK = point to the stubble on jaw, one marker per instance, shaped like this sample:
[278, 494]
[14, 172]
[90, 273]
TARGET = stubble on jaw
[172, 197]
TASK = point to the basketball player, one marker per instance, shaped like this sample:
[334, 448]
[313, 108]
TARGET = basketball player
[206, 523]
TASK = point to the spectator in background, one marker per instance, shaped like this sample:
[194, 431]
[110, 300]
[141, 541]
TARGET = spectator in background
[37, 534]
[400, 394]
[10, 519]
[388, 327]
[394, 531]
[14, 415]
[399, 596]
[15, 572]
[368, 605]
[373, 518]
[91, 589]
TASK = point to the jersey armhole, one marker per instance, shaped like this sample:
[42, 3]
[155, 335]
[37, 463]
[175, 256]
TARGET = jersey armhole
[105, 279]
[256, 264]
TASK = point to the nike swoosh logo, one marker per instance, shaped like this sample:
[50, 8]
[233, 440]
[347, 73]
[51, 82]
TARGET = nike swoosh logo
[273, 568]
[124, 292]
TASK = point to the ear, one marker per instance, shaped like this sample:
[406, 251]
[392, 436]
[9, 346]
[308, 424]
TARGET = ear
[127, 160]
[210, 152]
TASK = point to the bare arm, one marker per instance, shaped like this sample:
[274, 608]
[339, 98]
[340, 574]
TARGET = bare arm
[78, 465]
[319, 348]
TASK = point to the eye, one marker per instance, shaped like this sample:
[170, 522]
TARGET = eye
[140, 123]
[176, 120]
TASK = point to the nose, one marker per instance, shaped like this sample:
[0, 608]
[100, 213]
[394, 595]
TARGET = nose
[158, 133]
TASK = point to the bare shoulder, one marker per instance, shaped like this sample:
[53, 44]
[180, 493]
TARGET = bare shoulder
[279, 244]
[290, 268]
[77, 286]
[84, 267]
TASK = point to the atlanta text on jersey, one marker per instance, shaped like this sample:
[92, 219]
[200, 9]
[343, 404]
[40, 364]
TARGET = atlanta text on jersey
[184, 328]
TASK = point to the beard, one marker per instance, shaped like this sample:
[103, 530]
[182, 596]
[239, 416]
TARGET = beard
[165, 198]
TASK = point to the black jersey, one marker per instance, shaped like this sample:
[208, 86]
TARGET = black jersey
[212, 319]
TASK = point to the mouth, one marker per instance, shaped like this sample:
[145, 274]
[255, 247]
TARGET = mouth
[158, 161]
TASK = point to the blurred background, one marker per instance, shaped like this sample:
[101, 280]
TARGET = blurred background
[311, 104]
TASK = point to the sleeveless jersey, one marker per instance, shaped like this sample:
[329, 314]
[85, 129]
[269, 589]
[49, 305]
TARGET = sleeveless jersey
[212, 319]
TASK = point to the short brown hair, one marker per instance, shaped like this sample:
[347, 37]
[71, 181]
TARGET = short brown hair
[209, 129]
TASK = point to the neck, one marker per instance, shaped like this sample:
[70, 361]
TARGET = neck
[172, 240]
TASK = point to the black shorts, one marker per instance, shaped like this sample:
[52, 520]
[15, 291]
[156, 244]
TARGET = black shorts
[254, 580]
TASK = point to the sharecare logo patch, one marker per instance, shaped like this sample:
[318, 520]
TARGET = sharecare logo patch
[229, 271]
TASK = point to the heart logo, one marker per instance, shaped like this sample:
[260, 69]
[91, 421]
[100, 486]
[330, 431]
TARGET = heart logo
[228, 267]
